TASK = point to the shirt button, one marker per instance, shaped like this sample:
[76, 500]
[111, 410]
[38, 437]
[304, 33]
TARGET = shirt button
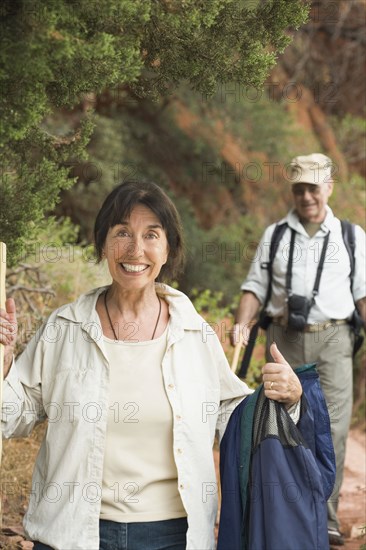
[179, 451]
[178, 417]
[181, 486]
[171, 386]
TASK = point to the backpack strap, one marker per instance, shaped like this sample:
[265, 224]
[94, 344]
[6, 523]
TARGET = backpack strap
[277, 235]
[349, 239]
[356, 322]
[318, 271]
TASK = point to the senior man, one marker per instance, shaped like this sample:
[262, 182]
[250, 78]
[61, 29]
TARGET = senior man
[312, 298]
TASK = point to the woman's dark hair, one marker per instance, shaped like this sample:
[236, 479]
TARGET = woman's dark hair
[118, 207]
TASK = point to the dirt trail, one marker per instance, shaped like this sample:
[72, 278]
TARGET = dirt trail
[352, 505]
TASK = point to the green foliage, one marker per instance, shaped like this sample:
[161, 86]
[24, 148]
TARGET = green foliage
[68, 268]
[219, 258]
[23, 200]
[210, 42]
[210, 304]
[57, 50]
[251, 115]
[57, 54]
[51, 230]
[351, 136]
[354, 209]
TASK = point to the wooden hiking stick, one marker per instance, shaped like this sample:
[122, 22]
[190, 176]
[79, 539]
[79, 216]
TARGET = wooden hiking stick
[237, 349]
[2, 305]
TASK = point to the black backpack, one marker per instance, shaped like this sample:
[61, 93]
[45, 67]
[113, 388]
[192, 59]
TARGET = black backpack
[349, 239]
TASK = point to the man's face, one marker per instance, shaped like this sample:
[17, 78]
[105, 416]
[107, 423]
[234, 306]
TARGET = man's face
[310, 200]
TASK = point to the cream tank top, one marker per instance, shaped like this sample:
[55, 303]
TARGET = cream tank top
[139, 474]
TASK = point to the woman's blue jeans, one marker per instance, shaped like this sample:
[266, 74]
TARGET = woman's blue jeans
[151, 535]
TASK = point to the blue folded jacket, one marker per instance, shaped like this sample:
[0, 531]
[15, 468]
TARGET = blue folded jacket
[277, 476]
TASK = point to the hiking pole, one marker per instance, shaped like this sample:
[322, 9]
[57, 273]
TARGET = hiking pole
[2, 305]
[237, 349]
[248, 351]
[244, 365]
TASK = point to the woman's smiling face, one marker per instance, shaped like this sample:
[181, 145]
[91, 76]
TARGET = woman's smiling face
[136, 249]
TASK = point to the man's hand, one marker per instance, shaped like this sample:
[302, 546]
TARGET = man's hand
[247, 310]
[8, 332]
[279, 380]
[239, 333]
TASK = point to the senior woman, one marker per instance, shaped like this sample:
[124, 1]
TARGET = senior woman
[134, 384]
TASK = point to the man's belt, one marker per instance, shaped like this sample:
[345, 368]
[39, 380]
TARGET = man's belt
[316, 327]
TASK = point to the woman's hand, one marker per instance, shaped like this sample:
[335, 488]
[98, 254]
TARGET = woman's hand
[279, 380]
[8, 332]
